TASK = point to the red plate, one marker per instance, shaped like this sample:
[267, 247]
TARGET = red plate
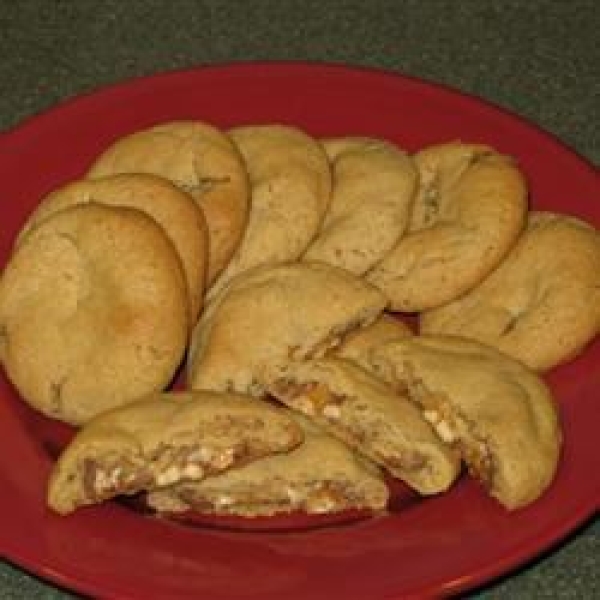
[434, 546]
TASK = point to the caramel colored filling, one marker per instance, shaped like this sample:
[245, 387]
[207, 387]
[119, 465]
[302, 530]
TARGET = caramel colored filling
[313, 399]
[115, 475]
[316, 400]
[457, 431]
[312, 497]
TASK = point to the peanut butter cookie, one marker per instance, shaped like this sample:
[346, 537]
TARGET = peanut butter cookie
[494, 410]
[374, 184]
[321, 475]
[542, 304]
[172, 209]
[468, 213]
[199, 159]
[381, 423]
[94, 311]
[162, 439]
[270, 315]
[291, 188]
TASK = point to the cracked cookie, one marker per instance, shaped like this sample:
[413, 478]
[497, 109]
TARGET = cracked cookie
[321, 475]
[499, 415]
[162, 439]
[468, 213]
[375, 420]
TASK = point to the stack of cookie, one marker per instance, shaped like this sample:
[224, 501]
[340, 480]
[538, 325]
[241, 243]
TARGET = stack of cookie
[269, 264]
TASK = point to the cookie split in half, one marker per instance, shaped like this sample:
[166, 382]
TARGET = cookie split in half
[468, 213]
[499, 415]
[162, 439]
[321, 475]
[372, 418]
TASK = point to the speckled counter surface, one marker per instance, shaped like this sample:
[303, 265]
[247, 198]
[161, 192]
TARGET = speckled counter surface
[537, 58]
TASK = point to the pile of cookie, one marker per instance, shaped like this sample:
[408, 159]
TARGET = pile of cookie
[271, 268]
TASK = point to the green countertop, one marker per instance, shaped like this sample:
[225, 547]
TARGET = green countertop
[537, 58]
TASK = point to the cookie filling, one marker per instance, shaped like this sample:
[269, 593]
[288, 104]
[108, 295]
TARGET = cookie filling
[109, 476]
[313, 399]
[313, 497]
[316, 400]
[456, 430]
[112, 476]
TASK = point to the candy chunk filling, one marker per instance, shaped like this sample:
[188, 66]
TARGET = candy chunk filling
[112, 475]
[313, 399]
[456, 430]
[312, 497]
[372, 436]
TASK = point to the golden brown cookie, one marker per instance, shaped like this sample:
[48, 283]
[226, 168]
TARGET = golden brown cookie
[162, 439]
[372, 418]
[174, 210]
[374, 184]
[498, 413]
[291, 187]
[202, 161]
[93, 311]
[542, 304]
[270, 315]
[321, 475]
[469, 210]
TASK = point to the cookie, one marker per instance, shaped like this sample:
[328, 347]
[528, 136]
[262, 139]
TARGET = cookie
[162, 439]
[468, 213]
[542, 304]
[374, 184]
[497, 412]
[321, 475]
[175, 211]
[93, 311]
[369, 416]
[358, 344]
[199, 159]
[272, 314]
[291, 188]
